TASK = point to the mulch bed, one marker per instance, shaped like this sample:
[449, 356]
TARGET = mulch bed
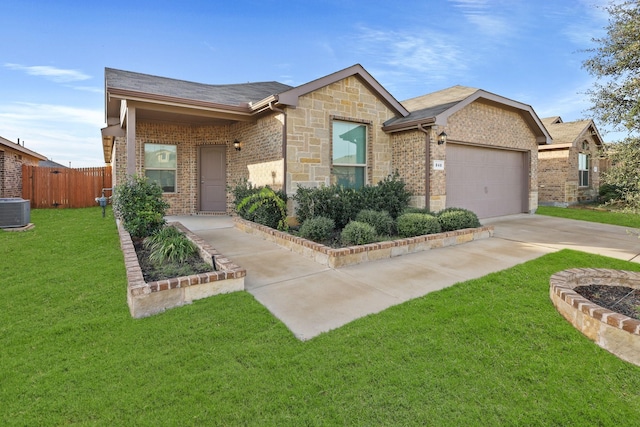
[153, 272]
[620, 299]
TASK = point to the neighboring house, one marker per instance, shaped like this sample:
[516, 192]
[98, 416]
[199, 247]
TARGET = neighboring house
[50, 164]
[568, 169]
[12, 157]
[343, 128]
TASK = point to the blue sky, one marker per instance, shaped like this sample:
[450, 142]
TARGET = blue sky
[53, 54]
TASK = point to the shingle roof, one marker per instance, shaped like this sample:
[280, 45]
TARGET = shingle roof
[565, 133]
[17, 147]
[430, 105]
[231, 94]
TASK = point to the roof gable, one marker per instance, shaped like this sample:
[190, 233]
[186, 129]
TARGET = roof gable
[435, 109]
[290, 97]
[571, 133]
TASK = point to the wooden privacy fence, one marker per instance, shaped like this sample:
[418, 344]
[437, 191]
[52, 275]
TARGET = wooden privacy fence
[64, 188]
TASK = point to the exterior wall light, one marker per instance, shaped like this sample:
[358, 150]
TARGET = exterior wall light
[236, 145]
[442, 138]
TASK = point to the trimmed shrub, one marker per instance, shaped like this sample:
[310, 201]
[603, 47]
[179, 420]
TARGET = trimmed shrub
[457, 219]
[317, 229]
[380, 220]
[343, 204]
[139, 203]
[609, 193]
[358, 233]
[389, 195]
[264, 207]
[417, 224]
[412, 209]
[169, 245]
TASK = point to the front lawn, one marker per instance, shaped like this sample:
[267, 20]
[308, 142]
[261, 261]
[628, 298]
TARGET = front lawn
[491, 351]
[592, 215]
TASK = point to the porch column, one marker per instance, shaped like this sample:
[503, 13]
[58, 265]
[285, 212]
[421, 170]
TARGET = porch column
[131, 141]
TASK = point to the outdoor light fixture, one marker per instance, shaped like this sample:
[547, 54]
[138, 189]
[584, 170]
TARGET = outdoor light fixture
[442, 138]
[236, 145]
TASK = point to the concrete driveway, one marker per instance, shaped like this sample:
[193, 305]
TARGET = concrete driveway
[310, 298]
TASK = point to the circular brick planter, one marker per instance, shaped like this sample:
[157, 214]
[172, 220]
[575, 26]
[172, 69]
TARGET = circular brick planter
[612, 331]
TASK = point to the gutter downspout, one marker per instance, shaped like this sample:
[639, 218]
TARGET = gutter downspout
[284, 141]
[427, 174]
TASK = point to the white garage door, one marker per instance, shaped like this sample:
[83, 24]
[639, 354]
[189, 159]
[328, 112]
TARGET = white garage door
[490, 182]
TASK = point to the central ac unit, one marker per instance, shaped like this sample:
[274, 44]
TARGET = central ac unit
[14, 212]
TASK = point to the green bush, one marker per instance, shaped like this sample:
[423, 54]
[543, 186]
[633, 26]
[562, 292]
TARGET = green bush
[380, 220]
[389, 195]
[317, 229]
[335, 202]
[139, 204]
[417, 224]
[265, 207]
[609, 193]
[412, 209]
[457, 219]
[358, 233]
[169, 245]
[343, 204]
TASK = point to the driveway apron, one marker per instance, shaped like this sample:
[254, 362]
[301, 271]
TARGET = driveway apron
[310, 298]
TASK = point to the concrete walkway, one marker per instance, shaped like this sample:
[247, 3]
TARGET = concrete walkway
[310, 298]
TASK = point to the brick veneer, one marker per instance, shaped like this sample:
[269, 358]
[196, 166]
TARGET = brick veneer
[558, 174]
[146, 299]
[11, 173]
[612, 331]
[342, 257]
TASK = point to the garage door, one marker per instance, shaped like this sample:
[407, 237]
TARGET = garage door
[490, 182]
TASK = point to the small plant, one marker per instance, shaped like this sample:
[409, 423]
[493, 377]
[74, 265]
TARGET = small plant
[169, 245]
[139, 203]
[265, 207]
[317, 229]
[358, 233]
[457, 219]
[417, 224]
[380, 220]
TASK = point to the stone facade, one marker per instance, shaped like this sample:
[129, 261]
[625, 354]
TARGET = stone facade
[558, 172]
[309, 147]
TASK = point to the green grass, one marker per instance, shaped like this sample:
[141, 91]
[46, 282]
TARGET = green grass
[491, 351]
[592, 215]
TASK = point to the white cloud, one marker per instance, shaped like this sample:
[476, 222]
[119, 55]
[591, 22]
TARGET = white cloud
[61, 133]
[57, 75]
[490, 21]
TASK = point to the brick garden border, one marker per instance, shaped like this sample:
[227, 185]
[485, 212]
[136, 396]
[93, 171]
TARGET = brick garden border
[147, 299]
[612, 331]
[342, 257]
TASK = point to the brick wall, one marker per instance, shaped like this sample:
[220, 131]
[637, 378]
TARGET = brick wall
[558, 174]
[258, 159]
[11, 172]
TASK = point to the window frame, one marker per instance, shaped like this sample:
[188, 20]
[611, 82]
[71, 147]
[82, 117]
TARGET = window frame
[168, 169]
[364, 167]
[583, 172]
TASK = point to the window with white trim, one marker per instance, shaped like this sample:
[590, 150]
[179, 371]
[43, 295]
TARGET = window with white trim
[583, 170]
[160, 165]
[349, 154]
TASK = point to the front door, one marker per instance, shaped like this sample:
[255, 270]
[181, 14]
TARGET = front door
[213, 173]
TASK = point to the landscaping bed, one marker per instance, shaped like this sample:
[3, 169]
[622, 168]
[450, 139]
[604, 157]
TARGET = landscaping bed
[149, 298]
[612, 330]
[341, 257]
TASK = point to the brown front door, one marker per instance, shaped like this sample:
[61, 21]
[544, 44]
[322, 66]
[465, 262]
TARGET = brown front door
[213, 173]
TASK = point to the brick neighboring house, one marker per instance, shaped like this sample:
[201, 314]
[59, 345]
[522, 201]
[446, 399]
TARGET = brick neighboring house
[12, 157]
[200, 140]
[569, 168]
